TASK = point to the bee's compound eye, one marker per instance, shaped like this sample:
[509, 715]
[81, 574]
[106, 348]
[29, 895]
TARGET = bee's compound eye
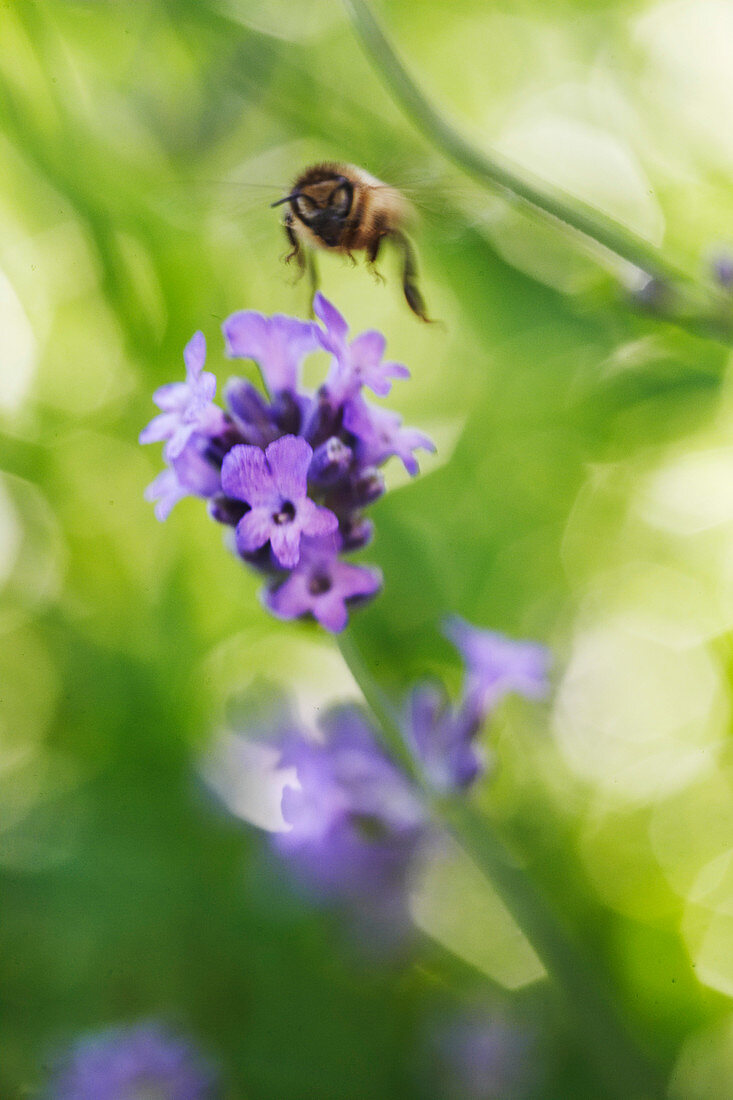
[306, 207]
[341, 200]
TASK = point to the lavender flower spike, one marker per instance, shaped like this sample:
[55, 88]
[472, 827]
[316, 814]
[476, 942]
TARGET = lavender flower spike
[356, 364]
[321, 585]
[122, 1063]
[274, 485]
[356, 824]
[278, 345]
[497, 665]
[186, 406]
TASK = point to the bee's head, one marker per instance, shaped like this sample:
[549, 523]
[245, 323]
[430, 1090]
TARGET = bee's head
[323, 205]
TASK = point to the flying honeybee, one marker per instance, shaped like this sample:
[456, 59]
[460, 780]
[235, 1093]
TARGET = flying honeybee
[341, 208]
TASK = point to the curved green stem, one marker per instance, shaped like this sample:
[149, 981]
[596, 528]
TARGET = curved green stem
[697, 306]
[624, 1070]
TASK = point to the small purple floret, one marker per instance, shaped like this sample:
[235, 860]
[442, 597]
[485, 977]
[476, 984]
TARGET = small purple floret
[274, 485]
[186, 406]
[331, 462]
[443, 739]
[146, 1060]
[380, 434]
[496, 665]
[278, 345]
[188, 474]
[442, 735]
[357, 364]
[321, 585]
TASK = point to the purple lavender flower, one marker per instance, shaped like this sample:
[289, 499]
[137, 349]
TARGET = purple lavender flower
[443, 739]
[497, 665]
[484, 1057]
[189, 473]
[278, 345]
[443, 736]
[721, 267]
[186, 406]
[146, 1060]
[274, 484]
[321, 585]
[379, 435]
[357, 364]
[291, 465]
[356, 825]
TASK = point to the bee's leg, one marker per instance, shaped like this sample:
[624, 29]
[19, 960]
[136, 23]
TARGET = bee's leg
[296, 251]
[313, 279]
[409, 275]
[372, 253]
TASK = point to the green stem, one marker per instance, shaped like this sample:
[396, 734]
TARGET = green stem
[622, 1067]
[380, 705]
[697, 306]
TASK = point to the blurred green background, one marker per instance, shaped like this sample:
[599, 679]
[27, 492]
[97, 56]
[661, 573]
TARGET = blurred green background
[582, 493]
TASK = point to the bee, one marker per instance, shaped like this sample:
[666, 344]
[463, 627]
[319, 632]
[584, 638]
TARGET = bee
[342, 208]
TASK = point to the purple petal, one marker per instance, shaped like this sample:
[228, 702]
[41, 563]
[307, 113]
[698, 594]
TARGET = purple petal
[172, 397]
[359, 421]
[278, 345]
[205, 388]
[254, 530]
[316, 520]
[289, 458]
[367, 349]
[160, 427]
[330, 611]
[331, 318]
[194, 355]
[355, 580]
[292, 599]
[246, 475]
[395, 370]
[245, 334]
[285, 542]
[178, 440]
[166, 491]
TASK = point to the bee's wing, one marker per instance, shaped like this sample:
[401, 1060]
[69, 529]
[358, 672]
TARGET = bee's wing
[430, 187]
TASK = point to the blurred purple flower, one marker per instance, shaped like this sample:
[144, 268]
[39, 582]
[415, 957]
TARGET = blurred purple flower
[442, 735]
[721, 266]
[356, 824]
[481, 1057]
[278, 345]
[146, 1060]
[274, 484]
[186, 406]
[497, 665]
[356, 364]
[443, 739]
[321, 585]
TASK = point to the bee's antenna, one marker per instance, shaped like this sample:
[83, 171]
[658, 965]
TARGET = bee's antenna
[288, 198]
